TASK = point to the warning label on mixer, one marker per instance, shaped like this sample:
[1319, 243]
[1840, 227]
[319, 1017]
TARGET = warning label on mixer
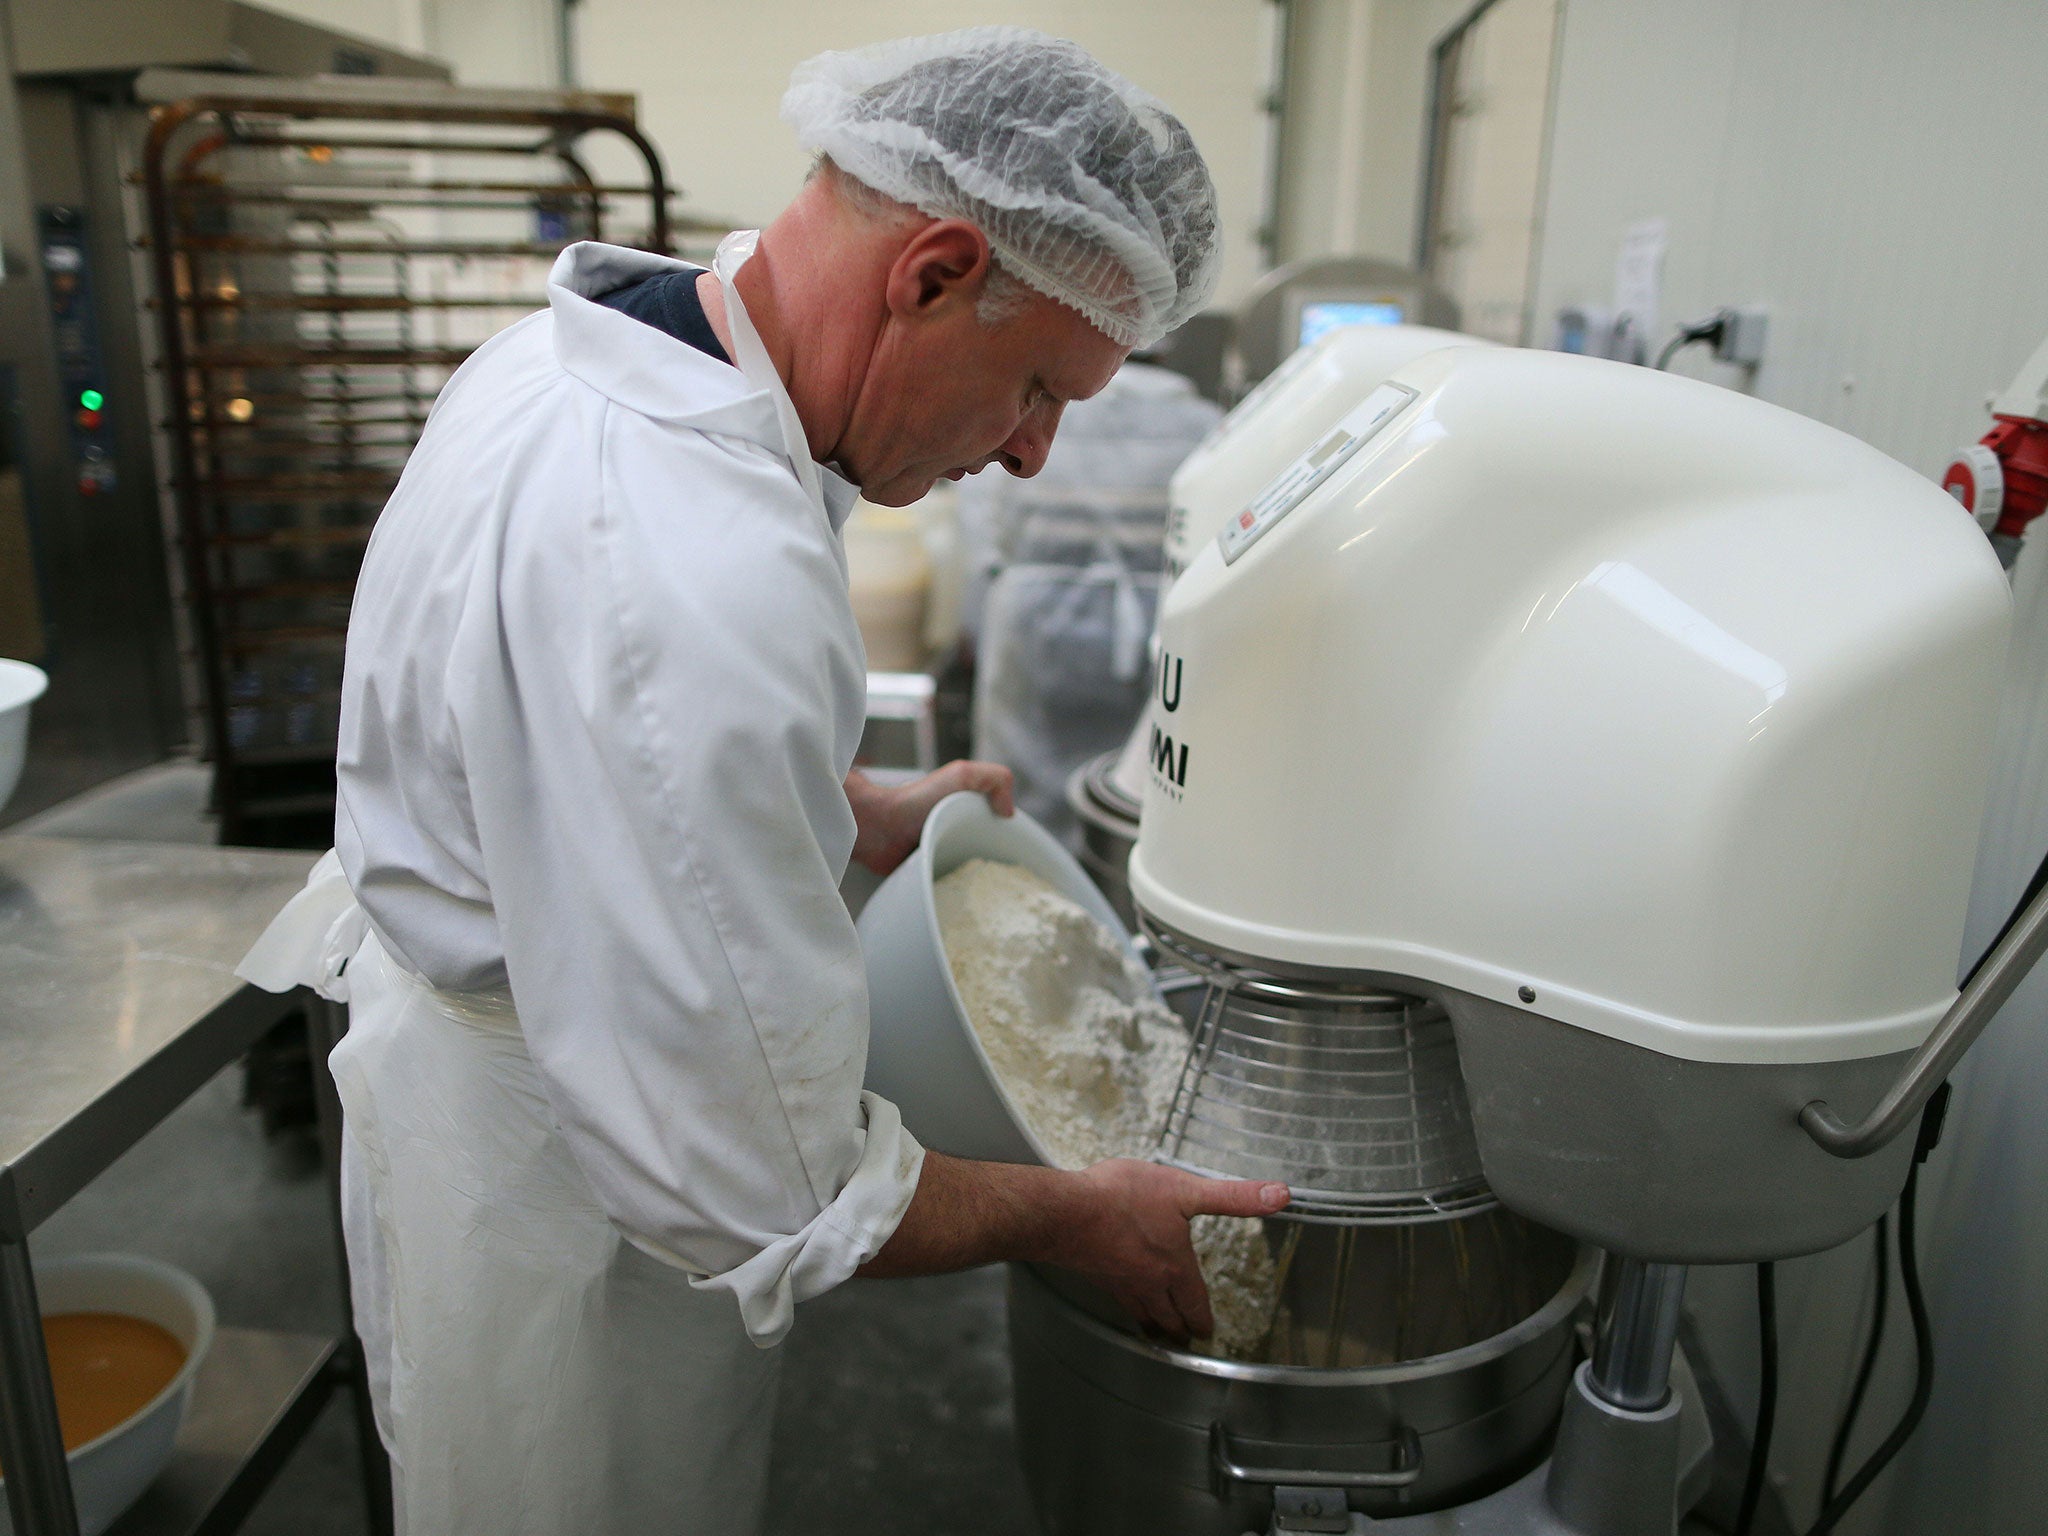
[1330, 453]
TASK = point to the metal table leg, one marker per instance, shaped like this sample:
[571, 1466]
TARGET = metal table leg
[31, 1444]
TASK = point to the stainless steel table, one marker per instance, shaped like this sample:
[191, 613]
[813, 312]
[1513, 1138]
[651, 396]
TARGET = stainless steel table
[118, 1001]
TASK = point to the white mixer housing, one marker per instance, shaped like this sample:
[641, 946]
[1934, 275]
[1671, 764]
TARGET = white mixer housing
[1619, 710]
[1289, 409]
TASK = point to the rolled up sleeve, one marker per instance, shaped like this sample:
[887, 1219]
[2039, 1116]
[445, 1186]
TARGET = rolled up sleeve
[661, 813]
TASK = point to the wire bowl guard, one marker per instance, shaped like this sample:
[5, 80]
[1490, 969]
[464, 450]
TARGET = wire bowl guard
[1349, 1094]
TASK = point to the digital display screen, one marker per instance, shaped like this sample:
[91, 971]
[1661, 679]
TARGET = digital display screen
[1322, 316]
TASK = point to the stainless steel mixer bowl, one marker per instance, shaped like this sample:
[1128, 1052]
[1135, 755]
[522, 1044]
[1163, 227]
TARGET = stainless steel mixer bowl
[1120, 1436]
[1108, 819]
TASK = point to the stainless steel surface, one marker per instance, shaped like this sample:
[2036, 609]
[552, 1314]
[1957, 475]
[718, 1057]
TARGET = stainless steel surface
[1996, 980]
[71, 321]
[1117, 1434]
[253, 1396]
[1351, 1095]
[117, 1001]
[1684, 1162]
[1638, 1330]
[99, 621]
[1363, 1295]
[1109, 830]
[117, 996]
[1406, 1471]
[31, 1443]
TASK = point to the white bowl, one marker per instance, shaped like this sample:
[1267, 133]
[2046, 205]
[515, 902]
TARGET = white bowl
[20, 686]
[923, 1055]
[110, 1473]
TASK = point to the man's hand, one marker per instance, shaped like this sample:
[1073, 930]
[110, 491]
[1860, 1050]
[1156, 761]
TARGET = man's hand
[1121, 1224]
[890, 821]
[1132, 1239]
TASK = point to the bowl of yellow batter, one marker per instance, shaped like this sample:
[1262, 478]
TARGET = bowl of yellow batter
[126, 1335]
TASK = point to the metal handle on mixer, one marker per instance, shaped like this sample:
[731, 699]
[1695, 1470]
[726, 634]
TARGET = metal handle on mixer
[1405, 1473]
[2001, 973]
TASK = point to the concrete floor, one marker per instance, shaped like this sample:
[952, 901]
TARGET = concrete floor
[895, 1411]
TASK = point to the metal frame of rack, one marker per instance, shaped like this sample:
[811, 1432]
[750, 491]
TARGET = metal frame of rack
[324, 255]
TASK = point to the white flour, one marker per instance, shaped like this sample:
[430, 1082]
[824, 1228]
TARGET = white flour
[1087, 1054]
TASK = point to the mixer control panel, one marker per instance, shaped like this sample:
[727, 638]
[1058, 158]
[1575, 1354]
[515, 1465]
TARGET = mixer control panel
[1330, 453]
[68, 280]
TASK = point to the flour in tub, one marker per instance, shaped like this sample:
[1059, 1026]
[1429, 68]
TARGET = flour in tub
[1088, 1055]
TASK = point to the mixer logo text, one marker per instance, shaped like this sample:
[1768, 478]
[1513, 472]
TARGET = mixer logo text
[1169, 758]
[1169, 691]
[1169, 762]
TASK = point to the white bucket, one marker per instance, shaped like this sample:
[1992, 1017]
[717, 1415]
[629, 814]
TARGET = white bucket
[923, 1055]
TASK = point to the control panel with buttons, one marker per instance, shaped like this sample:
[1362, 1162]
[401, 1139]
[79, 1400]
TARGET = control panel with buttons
[67, 277]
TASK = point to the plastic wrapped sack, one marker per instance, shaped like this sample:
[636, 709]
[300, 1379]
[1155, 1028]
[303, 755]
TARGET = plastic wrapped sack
[1064, 672]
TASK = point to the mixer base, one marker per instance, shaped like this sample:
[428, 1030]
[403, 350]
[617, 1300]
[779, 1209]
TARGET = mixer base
[1613, 1473]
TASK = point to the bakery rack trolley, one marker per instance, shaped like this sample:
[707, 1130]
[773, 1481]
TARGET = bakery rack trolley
[323, 255]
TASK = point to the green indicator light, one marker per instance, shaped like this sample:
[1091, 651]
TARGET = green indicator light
[91, 399]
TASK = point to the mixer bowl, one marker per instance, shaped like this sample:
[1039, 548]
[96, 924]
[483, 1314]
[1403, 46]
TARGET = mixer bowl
[1120, 1436]
[20, 686]
[923, 1055]
[1108, 819]
[110, 1473]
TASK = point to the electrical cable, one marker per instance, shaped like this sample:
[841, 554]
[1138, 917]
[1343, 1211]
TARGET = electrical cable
[1878, 1302]
[1702, 330]
[1923, 1349]
[1766, 1397]
[1837, 1503]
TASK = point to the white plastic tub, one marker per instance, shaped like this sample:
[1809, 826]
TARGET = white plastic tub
[110, 1473]
[20, 686]
[923, 1055]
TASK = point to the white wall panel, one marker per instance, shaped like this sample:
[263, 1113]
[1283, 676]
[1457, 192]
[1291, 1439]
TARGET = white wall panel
[1357, 100]
[1854, 165]
[710, 78]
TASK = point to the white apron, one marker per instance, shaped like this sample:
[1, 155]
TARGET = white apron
[532, 1371]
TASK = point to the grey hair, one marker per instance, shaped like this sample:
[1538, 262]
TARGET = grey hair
[1003, 296]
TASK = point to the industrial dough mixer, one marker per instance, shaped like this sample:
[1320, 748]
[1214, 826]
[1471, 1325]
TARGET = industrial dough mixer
[1291, 407]
[1595, 756]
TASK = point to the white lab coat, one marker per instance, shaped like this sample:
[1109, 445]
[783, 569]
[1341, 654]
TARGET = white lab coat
[608, 1020]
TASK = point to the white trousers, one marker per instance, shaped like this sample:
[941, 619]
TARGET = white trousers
[533, 1373]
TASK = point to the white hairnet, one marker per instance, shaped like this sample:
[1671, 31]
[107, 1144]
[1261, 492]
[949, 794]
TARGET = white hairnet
[1087, 188]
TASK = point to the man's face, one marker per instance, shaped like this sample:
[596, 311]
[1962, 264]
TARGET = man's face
[946, 395]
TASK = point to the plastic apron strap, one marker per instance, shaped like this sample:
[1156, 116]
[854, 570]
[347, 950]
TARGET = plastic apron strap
[758, 367]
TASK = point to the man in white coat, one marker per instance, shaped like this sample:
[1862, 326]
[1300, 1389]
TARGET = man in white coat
[608, 1020]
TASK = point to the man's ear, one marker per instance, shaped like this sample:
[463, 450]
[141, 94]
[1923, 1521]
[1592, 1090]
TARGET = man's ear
[944, 264]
